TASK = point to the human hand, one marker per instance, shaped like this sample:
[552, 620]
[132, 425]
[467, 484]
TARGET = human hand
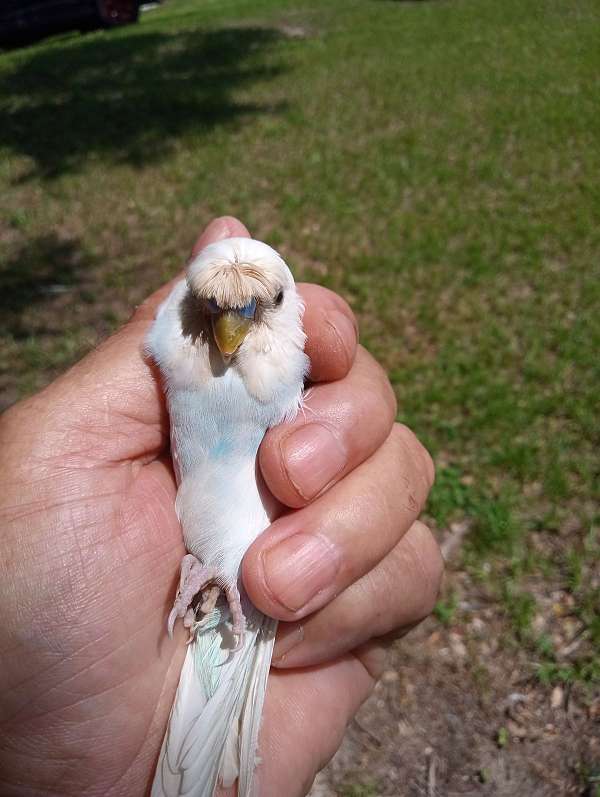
[90, 549]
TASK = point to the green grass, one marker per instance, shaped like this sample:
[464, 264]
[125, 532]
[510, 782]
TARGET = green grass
[437, 163]
[358, 790]
[445, 609]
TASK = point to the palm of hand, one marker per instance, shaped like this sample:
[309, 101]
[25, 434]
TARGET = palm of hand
[94, 674]
[91, 681]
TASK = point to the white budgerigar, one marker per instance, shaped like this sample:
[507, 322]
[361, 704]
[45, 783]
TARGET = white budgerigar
[230, 347]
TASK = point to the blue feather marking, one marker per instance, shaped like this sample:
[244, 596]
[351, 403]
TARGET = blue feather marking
[219, 421]
[224, 448]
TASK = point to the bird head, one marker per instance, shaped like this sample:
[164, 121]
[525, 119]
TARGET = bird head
[241, 284]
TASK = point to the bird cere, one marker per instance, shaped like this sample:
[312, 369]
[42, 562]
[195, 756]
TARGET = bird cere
[229, 344]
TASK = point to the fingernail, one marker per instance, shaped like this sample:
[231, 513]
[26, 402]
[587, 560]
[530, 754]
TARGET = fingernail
[299, 568]
[312, 457]
[288, 636]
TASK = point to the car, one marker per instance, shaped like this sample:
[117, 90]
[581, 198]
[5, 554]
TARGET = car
[25, 21]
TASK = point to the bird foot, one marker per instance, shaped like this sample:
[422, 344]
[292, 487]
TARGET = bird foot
[210, 597]
[195, 578]
[238, 621]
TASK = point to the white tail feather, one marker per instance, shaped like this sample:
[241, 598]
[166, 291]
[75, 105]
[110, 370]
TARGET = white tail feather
[212, 736]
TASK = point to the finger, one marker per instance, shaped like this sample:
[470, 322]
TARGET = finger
[396, 595]
[308, 557]
[342, 424]
[218, 230]
[305, 717]
[332, 333]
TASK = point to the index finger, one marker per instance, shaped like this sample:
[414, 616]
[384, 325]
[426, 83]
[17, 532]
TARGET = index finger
[332, 333]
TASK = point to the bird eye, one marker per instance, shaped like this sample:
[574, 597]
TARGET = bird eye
[279, 297]
[213, 306]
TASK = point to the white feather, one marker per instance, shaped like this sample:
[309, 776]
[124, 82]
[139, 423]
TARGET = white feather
[212, 735]
[218, 418]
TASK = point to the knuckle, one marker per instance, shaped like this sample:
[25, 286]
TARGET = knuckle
[406, 585]
[390, 397]
[375, 374]
[334, 300]
[418, 452]
[398, 438]
[346, 309]
[346, 623]
[429, 558]
[381, 590]
[373, 656]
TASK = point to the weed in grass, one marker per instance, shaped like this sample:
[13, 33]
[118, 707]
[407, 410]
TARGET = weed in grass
[358, 790]
[585, 672]
[545, 647]
[520, 607]
[19, 219]
[495, 529]
[445, 610]
[502, 737]
[450, 496]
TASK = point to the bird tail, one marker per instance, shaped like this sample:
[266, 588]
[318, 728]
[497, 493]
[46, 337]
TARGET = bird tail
[212, 736]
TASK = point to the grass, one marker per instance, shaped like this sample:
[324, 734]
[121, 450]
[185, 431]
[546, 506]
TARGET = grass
[359, 790]
[434, 162]
[445, 609]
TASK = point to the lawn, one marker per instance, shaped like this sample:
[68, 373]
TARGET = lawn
[436, 163]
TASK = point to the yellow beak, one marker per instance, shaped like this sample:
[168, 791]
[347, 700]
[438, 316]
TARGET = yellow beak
[230, 329]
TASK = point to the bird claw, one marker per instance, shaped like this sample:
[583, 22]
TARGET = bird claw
[238, 621]
[171, 622]
[195, 578]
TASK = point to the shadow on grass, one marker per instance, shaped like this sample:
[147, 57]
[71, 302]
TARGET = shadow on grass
[39, 271]
[128, 96]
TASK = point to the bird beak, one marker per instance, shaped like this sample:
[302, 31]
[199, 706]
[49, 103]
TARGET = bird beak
[230, 329]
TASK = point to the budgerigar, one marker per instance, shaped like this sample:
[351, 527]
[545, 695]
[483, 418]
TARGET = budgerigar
[230, 348]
